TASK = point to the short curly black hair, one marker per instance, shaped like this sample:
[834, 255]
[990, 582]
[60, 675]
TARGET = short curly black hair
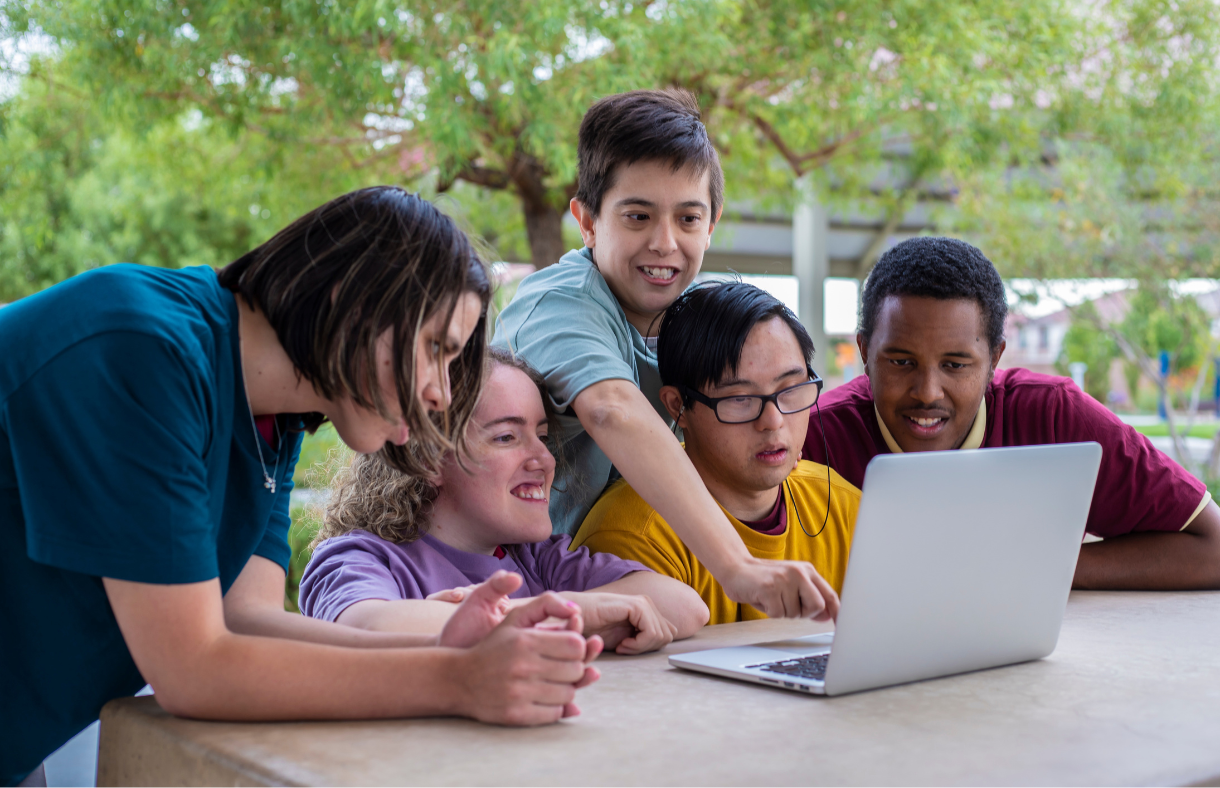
[944, 268]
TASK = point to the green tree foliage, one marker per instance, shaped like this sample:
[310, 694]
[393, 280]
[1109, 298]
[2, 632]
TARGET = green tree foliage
[1085, 341]
[77, 191]
[1085, 212]
[1159, 320]
[868, 94]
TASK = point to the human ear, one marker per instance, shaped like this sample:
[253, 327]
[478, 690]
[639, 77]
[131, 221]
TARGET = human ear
[863, 347]
[995, 354]
[672, 400]
[586, 220]
[711, 228]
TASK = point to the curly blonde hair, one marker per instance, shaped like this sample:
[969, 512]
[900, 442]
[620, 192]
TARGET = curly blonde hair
[372, 495]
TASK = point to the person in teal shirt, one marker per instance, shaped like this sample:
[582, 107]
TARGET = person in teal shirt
[150, 422]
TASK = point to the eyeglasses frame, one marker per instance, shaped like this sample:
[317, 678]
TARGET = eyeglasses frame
[712, 402]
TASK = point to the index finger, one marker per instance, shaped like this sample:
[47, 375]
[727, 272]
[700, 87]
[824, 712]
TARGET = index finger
[812, 600]
[829, 598]
[544, 606]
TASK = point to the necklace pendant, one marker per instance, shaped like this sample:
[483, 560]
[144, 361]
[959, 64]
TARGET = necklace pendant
[269, 483]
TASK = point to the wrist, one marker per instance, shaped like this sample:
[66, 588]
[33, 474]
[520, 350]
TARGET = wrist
[452, 687]
[727, 556]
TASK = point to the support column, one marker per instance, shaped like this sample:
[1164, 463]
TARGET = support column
[811, 266]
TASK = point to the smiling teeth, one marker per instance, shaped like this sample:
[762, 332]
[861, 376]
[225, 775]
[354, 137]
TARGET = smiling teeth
[531, 494]
[926, 422]
[659, 273]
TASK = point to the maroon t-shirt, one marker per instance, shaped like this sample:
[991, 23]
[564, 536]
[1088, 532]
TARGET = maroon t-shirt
[1138, 487]
[774, 523]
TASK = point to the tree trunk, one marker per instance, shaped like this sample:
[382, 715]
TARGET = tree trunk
[544, 228]
[543, 220]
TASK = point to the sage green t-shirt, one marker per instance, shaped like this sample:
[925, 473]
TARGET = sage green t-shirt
[568, 325]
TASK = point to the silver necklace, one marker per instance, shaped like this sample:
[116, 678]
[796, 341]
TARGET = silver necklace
[268, 479]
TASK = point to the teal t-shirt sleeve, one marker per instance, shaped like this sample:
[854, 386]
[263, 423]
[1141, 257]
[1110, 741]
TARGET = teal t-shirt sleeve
[574, 343]
[109, 461]
[274, 545]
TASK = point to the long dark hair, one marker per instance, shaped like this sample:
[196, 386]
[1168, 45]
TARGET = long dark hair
[334, 280]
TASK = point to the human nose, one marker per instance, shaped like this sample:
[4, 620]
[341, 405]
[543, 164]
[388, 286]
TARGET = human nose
[436, 393]
[927, 387]
[664, 242]
[770, 419]
[540, 457]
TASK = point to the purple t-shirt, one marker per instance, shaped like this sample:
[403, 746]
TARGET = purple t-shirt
[1138, 488]
[359, 565]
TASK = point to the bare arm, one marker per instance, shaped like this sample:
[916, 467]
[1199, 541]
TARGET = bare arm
[517, 674]
[620, 419]
[675, 600]
[254, 606]
[421, 617]
[1156, 561]
[639, 612]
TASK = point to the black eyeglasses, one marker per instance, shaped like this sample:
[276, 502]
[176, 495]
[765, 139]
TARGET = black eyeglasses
[744, 408]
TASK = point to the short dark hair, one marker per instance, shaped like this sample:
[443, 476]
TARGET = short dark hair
[944, 268]
[703, 332]
[335, 279]
[643, 125]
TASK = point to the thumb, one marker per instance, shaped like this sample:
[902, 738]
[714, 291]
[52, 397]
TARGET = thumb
[491, 591]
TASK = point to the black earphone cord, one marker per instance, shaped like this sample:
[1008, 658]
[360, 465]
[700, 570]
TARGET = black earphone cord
[795, 508]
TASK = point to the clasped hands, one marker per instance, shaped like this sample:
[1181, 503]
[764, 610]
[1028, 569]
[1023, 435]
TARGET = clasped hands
[626, 624]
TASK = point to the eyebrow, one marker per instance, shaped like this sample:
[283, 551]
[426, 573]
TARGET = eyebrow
[517, 420]
[778, 378]
[954, 353]
[650, 204]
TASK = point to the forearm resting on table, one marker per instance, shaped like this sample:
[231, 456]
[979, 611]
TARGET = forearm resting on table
[254, 606]
[1155, 561]
[678, 602]
[420, 617]
[620, 419]
[199, 668]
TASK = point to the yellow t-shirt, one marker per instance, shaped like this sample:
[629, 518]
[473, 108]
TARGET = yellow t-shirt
[623, 524]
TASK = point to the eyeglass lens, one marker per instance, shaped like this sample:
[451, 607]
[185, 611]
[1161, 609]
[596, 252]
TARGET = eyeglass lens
[749, 408]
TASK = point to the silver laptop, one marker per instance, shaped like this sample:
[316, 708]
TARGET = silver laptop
[961, 560]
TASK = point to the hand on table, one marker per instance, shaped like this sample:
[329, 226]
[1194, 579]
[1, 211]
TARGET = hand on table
[628, 624]
[782, 589]
[524, 674]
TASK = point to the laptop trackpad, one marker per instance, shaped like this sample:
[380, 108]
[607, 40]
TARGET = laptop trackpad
[809, 644]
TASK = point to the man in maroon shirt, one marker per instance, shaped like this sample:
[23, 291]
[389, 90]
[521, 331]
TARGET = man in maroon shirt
[931, 335]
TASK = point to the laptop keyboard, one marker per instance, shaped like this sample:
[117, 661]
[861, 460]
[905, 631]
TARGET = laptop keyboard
[802, 668]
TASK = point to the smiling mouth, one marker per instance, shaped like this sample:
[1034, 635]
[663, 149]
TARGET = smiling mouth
[659, 274]
[529, 492]
[924, 426]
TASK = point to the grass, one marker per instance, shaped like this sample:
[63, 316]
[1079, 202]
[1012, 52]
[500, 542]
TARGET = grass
[305, 523]
[1162, 430]
[321, 454]
[316, 452]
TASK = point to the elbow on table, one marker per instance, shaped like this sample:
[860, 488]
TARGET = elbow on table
[693, 613]
[184, 698]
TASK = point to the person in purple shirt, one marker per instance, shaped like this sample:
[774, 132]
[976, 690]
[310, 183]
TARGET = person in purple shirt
[931, 335]
[399, 553]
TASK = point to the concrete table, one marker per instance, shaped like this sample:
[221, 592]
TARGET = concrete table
[1131, 696]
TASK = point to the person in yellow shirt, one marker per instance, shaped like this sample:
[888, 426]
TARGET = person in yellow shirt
[735, 365]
